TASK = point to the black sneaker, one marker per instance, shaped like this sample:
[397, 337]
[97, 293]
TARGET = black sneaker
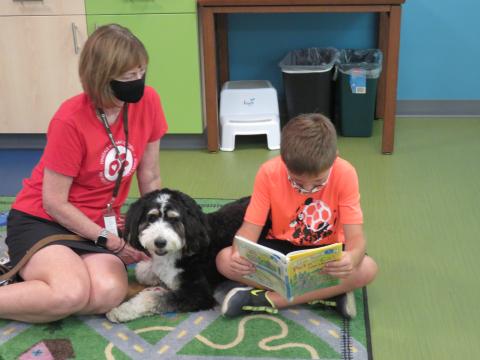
[4, 282]
[344, 304]
[3, 270]
[242, 300]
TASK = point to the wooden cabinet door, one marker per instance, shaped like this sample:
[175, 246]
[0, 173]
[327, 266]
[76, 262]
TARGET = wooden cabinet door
[171, 41]
[43, 7]
[38, 68]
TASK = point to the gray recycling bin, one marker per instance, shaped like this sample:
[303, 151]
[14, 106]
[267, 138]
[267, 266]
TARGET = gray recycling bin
[308, 80]
[356, 91]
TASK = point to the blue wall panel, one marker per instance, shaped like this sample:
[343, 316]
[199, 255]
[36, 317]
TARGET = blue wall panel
[439, 48]
[258, 42]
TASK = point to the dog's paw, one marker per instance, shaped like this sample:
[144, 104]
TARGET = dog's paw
[123, 313]
[114, 315]
[146, 303]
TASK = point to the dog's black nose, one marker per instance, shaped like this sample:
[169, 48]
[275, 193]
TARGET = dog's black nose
[160, 243]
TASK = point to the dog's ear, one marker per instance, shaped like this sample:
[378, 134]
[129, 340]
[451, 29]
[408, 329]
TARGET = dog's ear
[196, 226]
[132, 221]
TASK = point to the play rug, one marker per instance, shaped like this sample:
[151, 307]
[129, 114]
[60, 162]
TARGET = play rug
[307, 332]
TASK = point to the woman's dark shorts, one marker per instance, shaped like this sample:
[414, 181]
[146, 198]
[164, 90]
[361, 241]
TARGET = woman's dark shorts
[24, 230]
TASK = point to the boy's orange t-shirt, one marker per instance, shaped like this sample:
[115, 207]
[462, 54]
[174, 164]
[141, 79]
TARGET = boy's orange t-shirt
[305, 219]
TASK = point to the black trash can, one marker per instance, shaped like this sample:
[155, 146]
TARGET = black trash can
[308, 80]
[356, 93]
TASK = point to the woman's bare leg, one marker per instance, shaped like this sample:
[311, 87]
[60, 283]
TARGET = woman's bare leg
[57, 284]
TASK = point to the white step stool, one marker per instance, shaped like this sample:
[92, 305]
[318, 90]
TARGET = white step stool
[249, 107]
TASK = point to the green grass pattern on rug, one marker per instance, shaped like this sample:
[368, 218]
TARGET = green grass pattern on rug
[305, 332]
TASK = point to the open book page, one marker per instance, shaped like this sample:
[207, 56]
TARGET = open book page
[305, 266]
[326, 252]
[270, 265]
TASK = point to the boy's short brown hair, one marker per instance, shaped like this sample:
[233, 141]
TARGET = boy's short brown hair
[308, 144]
[109, 52]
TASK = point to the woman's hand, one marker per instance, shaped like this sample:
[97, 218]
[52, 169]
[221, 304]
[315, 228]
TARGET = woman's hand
[129, 255]
[239, 265]
[340, 268]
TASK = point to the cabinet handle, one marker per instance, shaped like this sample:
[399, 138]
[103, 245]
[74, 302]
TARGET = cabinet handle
[27, 0]
[76, 48]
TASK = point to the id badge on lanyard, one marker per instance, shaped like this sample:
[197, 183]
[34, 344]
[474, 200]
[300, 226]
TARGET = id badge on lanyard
[110, 220]
[109, 216]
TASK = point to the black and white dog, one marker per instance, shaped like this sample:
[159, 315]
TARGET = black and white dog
[182, 242]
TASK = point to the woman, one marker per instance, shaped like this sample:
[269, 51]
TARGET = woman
[80, 184]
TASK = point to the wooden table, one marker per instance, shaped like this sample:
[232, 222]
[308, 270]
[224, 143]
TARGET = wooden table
[214, 28]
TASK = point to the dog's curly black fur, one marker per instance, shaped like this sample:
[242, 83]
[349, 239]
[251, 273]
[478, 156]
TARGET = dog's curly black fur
[183, 242]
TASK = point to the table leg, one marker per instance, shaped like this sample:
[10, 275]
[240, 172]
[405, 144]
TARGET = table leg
[391, 80]
[210, 76]
[382, 45]
[222, 38]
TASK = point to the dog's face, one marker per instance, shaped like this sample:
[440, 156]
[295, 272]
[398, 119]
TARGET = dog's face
[160, 229]
[164, 222]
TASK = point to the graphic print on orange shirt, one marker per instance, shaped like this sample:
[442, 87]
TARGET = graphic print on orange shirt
[313, 223]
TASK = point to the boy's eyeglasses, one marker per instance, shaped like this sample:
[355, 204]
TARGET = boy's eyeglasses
[315, 189]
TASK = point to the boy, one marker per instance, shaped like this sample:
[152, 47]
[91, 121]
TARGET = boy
[308, 175]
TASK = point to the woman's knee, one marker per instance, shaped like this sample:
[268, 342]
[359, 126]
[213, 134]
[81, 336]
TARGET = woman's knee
[69, 299]
[106, 293]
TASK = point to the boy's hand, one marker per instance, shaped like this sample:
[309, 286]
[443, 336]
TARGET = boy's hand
[240, 265]
[340, 268]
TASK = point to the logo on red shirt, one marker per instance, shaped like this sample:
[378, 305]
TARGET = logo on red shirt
[112, 162]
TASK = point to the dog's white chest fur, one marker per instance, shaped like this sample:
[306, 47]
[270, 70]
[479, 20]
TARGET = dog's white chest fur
[161, 270]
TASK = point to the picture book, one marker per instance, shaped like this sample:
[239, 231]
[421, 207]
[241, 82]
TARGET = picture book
[293, 274]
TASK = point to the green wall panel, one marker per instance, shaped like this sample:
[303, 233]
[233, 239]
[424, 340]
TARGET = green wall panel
[139, 6]
[174, 66]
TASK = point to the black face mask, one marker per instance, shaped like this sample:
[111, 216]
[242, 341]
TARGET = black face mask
[128, 91]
